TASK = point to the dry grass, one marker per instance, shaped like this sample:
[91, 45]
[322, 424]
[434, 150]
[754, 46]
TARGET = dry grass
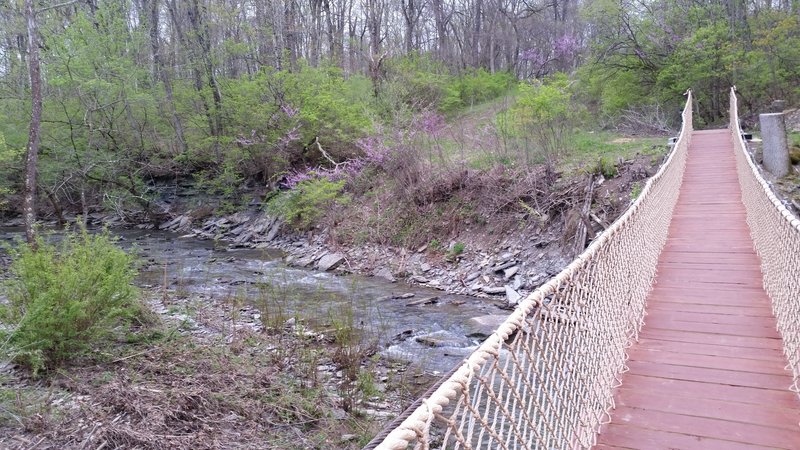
[178, 394]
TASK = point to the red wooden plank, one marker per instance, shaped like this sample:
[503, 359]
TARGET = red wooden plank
[646, 429]
[682, 316]
[642, 353]
[713, 391]
[716, 339]
[713, 328]
[713, 350]
[747, 379]
[755, 311]
[763, 415]
[633, 437]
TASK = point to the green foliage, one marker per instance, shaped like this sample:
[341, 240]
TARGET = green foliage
[545, 112]
[418, 82]
[636, 190]
[414, 83]
[10, 160]
[457, 249]
[305, 204]
[703, 47]
[606, 167]
[612, 92]
[65, 298]
[475, 86]
[329, 106]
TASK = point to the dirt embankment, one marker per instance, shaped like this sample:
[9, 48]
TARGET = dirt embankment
[503, 258]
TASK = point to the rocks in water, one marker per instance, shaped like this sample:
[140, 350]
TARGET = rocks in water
[512, 296]
[419, 279]
[401, 337]
[441, 339]
[493, 290]
[330, 261]
[483, 326]
[404, 296]
[423, 301]
[385, 273]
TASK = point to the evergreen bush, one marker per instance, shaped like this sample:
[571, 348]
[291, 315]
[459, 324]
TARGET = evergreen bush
[65, 298]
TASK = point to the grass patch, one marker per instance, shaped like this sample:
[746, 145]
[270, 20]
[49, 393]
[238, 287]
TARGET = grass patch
[591, 147]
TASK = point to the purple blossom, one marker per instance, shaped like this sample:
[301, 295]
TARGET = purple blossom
[375, 150]
[566, 45]
[534, 56]
[296, 177]
[430, 122]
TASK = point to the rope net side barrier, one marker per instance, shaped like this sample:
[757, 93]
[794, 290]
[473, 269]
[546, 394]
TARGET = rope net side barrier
[776, 238]
[545, 379]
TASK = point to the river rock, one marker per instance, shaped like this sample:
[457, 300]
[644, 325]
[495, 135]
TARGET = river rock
[510, 272]
[483, 326]
[472, 276]
[503, 266]
[493, 290]
[404, 296]
[424, 301]
[169, 224]
[424, 267]
[518, 283]
[385, 273]
[273, 231]
[441, 339]
[330, 261]
[303, 262]
[512, 297]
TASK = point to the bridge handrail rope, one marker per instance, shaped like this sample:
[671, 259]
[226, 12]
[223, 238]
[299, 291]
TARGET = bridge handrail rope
[776, 238]
[545, 378]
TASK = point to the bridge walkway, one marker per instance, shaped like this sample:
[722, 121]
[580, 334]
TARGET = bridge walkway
[708, 371]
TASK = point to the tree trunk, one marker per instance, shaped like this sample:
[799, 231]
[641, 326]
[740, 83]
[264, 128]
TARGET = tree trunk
[160, 72]
[32, 155]
[441, 28]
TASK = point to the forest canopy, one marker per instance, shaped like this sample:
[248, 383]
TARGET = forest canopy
[242, 92]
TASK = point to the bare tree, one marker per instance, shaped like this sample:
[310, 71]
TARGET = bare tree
[32, 151]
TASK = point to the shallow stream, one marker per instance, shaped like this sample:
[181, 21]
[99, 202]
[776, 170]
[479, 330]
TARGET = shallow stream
[433, 335]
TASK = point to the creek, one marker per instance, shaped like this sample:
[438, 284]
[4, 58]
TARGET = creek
[435, 336]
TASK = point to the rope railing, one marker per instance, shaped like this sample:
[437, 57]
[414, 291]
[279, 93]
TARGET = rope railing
[776, 238]
[545, 378]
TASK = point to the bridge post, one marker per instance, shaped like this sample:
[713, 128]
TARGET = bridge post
[776, 150]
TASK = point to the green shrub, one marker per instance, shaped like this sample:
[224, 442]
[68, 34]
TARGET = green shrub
[545, 111]
[306, 203]
[458, 248]
[64, 298]
[606, 167]
[476, 86]
[8, 159]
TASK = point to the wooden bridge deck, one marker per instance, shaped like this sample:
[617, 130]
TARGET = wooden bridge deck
[708, 371]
